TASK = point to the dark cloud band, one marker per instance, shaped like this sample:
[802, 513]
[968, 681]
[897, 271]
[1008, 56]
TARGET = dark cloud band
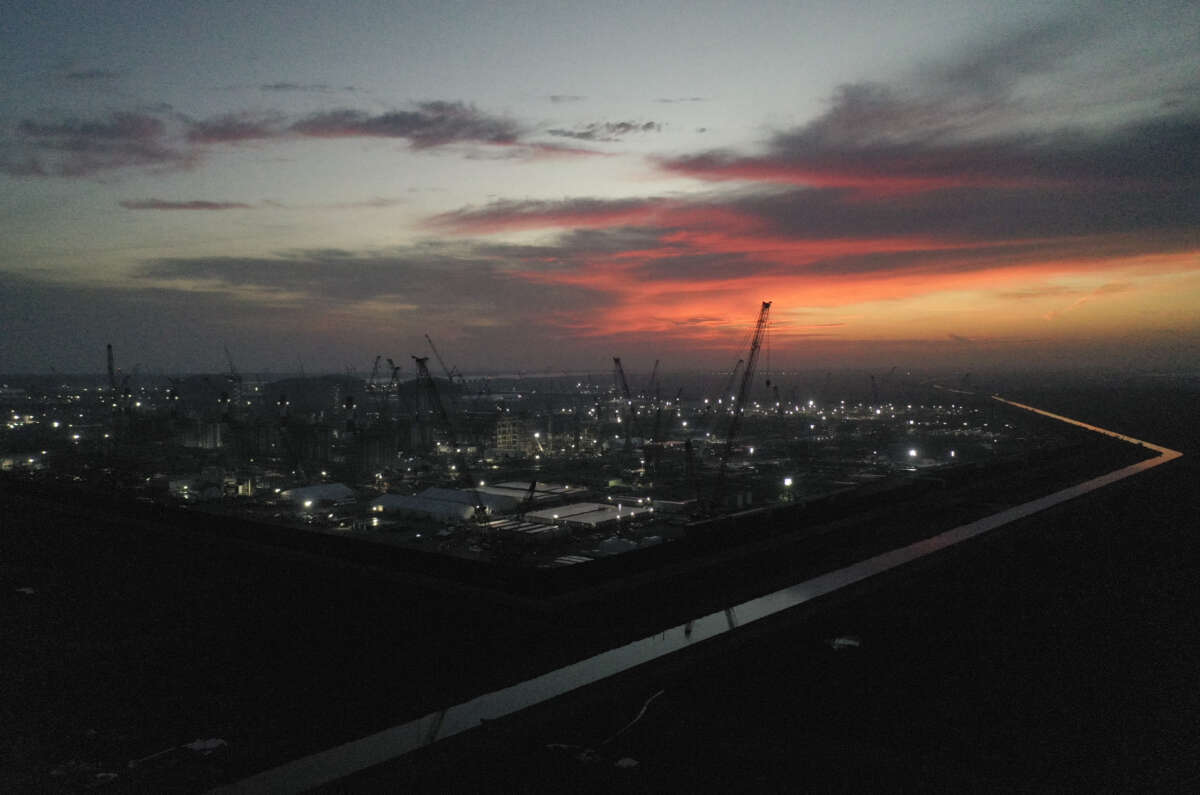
[160, 204]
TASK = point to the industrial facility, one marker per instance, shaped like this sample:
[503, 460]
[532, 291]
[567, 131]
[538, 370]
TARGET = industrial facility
[537, 470]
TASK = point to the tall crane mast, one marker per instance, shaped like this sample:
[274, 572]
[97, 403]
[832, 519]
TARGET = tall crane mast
[122, 397]
[234, 375]
[373, 387]
[435, 400]
[235, 380]
[394, 386]
[112, 373]
[374, 373]
[655, 446]
[650, 384]
[619, 374]
[733, 374]
[448, 428]
[739, 405]
[656, 436]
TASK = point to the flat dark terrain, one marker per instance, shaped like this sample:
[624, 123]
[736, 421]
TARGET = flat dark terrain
[1061, 652]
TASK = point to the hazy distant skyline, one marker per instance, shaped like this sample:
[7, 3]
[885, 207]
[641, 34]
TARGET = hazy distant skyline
[542, 185]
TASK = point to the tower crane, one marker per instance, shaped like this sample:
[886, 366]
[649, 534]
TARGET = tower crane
[735, 422]
[655, 446]
[373, 387]
[374, 373]
[235, 381]
[124, 391]
[394, 385]
[733, 374]
[450, 373]
[656, 436]
[444, 420]
[234, 375]
[711, 408]
[112, 373]
[619, 374]
[650, 384]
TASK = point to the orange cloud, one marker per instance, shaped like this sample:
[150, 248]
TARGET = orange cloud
[667, 307]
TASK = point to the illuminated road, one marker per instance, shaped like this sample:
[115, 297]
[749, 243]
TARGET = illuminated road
[343, 760]
[1165, 454]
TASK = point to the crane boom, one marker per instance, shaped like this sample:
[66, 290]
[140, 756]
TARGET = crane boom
[234, 375]
[374, 373]
[619, 371]
[394, 385]
[739, 405]
[374, 390]
[449, 373]
[448, 428]
[653, 378]
[733, 374]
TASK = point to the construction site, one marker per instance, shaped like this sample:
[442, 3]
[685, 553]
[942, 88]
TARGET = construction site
[189, 554]
[527, 471]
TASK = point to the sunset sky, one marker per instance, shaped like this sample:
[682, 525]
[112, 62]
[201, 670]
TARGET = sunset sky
[545, 185]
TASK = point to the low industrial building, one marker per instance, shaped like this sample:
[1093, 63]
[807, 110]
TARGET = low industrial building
[444, 504]
[544, 492]
[416, 505]
[29, 462]
[319, 493]
[589, 515]
[673, 506]
[533, 531]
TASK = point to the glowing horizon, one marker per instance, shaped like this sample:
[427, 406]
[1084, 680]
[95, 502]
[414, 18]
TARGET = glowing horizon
[1019, 186]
